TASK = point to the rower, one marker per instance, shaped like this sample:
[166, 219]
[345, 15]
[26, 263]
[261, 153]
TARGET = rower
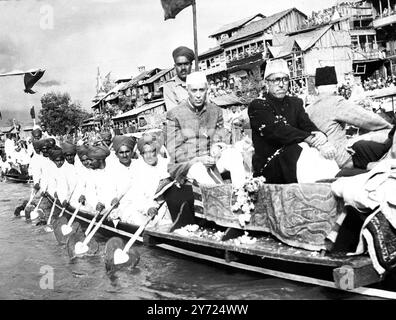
[100, 189]
[57, 185]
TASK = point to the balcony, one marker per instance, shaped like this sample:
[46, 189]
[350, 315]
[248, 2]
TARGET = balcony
[385, 20]
[365, 55]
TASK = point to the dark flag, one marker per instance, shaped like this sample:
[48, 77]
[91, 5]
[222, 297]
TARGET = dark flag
[173, 7]
[30, 80]
[1, 117]
[32, 113]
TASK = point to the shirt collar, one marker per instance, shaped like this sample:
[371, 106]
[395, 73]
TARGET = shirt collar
[179, 82]
[192, 108]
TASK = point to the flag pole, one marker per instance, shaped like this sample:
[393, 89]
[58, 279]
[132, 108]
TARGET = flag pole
[194, 8]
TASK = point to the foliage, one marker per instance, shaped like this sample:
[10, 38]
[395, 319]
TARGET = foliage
[60, 114]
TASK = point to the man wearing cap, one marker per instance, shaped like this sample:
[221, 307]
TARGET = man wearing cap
[281, 130]
[57, 184]
[331, 112]
[175, 89]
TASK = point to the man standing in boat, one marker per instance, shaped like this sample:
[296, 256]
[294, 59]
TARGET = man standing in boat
[175, 89]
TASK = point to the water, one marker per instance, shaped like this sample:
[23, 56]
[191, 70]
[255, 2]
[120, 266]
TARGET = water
[29, 255]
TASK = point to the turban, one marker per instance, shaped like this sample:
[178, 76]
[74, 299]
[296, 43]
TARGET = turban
[185, 52]
[120, 141]
[325, 76]
[69, 148]
[197, 77]
[36, 131]
[147, 139]
[98, 152]
[82, 150]
[276, 66]
[50, 142]
[55, 153]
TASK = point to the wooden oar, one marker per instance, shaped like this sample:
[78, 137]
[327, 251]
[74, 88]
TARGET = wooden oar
[115, 257]
[64, 228]
[34, 214]
[81, 247]
[68, 201]
[48, 228]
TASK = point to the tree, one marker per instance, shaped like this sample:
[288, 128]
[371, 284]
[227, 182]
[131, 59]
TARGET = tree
[60, 114]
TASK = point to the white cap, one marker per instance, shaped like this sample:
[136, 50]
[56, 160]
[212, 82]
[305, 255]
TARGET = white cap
[276, 66]
[197, 77]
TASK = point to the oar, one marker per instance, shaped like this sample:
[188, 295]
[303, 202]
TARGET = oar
[48, 228]
[117, 257]
[34, 214]
[81, 247]
[64, 228]
[68, 201]
[20, 210]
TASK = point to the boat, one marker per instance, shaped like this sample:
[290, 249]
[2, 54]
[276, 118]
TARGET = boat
[14, 175]
[266, 255]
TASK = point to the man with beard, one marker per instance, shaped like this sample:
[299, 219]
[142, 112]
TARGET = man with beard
[175, 89]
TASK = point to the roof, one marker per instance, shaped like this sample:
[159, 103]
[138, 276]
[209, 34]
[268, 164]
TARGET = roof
[210, 51]
[141, 109]
[259, 26]
[235, 25]
[157, 76]
[139, 77]
[304, 40]
[113, 91]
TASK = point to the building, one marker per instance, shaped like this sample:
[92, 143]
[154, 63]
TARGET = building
[384, 22]
[242, 46]
[311, 48]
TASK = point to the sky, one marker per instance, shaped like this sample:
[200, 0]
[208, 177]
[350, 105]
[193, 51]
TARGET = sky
[70, 39]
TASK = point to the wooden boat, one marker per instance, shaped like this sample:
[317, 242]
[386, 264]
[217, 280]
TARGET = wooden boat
[15, 176]
[266, 255]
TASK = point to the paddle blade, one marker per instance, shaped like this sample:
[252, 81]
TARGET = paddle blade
[74, 238]
[18, 210]
[60, 236]
[111, 245]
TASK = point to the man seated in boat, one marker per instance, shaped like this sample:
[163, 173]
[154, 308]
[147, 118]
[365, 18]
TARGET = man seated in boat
[71, 173]
[82, 171]
[57, 184]
[288, 146]
[20, 158]
[100, 189]
[35, 163]
[331, 112]
[147, 171]
[123, 169]
[46, 165]
[190, 129]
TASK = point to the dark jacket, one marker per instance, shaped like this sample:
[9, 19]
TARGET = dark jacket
[278, 125]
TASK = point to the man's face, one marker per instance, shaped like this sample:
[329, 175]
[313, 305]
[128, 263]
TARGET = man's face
[93, 163]
[278, 84]
[37, 135]
[59, 161]
[197, 94]
[44, 151]
[124, 154]
[84, 161]
[182, 67]
[150, 155]
[70, 157]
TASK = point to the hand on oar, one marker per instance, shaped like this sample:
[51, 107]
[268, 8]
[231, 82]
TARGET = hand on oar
[34, 214]
[115, 257]
[20, 210]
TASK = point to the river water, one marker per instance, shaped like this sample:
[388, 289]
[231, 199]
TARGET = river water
[30, 257]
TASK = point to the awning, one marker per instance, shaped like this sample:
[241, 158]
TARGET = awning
[143, 108]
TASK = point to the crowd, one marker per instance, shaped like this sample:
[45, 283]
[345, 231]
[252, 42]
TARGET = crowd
[379, 83]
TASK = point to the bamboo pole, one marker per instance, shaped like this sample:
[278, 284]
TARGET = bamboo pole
[194, 8]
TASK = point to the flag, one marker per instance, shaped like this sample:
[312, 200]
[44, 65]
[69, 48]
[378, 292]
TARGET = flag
[30, 80]
[173, 7]
[32, 113]
[1, 117]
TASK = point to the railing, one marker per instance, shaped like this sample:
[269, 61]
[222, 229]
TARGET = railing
[367, 55]
[384, 20]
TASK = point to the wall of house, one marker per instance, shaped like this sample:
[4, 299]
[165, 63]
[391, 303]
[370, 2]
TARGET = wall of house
[288, 23]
